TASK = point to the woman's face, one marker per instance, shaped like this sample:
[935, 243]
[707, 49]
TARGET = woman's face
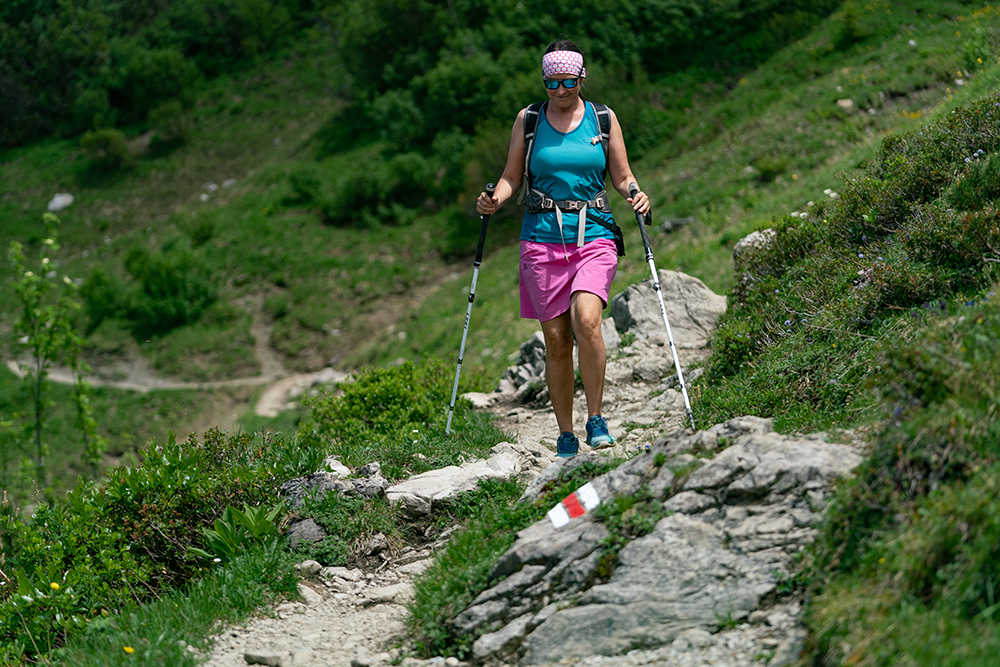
[563, 96]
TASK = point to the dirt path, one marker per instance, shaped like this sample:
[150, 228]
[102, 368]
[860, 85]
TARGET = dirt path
[357, 619]
[136, 374]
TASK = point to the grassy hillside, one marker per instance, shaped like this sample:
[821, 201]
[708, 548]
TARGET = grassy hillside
[248, 201]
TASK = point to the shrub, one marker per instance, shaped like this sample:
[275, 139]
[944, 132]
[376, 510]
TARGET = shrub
[167, 121]
[392, 415]
[92, 110]
[172, 287]
[106, 149]
[770, 166]
[111, 547]
[978, 186]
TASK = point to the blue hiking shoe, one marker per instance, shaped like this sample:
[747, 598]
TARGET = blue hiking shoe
[567, 445]
[597, 433]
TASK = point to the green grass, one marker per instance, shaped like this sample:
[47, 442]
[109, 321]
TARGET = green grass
[127, 419]
[160, 632]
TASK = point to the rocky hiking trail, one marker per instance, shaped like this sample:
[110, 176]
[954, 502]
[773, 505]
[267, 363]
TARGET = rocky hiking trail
[709, 585]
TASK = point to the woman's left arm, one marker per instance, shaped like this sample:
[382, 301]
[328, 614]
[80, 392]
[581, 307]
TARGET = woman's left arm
[619, 173]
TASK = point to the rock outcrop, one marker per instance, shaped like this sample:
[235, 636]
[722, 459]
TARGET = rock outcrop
[418, 495]
[743, 499]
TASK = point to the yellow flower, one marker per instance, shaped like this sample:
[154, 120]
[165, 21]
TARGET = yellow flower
[795, 177]
[128, 649]
[881, 561]
[54, 586]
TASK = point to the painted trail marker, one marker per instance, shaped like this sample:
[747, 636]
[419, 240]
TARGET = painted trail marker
[574, 505]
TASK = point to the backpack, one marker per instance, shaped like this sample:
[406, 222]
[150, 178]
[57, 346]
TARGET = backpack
[531, 117]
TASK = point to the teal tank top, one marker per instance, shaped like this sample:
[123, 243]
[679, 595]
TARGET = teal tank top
[567, 166]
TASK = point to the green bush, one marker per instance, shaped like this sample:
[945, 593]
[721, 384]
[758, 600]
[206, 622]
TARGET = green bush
[111, 547]
[978, 186]
[172, 288]
[769, 167]
[106, 149]
[396, 416]
[167, 121]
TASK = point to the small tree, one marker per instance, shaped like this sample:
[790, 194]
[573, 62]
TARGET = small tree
[45, 334]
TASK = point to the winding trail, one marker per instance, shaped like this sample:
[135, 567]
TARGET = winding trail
[137, 375]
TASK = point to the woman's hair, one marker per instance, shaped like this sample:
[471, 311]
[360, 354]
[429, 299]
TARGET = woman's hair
[563, 45]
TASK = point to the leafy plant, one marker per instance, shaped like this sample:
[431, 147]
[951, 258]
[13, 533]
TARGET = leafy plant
[106, 149]
[44, 330]
[235, 531]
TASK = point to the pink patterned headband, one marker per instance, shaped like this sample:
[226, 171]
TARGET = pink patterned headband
[563, 62]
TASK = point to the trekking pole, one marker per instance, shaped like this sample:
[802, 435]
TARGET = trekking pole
[633, 189]
[468, 313]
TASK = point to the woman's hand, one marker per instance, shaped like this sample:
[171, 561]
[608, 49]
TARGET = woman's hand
[487, 205]
[640, 203]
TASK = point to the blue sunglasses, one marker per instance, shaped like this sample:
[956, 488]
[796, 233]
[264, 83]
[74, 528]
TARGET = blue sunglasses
[552, 84]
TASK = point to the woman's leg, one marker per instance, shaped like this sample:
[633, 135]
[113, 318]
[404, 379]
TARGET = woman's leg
[559, 376]
[585, 312]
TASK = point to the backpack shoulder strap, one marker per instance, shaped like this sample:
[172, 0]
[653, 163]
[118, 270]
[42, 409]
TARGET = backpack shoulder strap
[531, 116]
[604, 124]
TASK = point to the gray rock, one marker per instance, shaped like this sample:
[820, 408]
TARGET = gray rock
[530, 367]
[305, 532]
[59, 202]
[307, 568]
[612, 339]
[692, 308]
[690, 502]
[303, 655]
[503, 640]
[737, 522]
[418, 495]
[336, 467]
[790, 649]
[745, 248]
[269, 658]
[692, 638]
[310, 595]
[394, 594]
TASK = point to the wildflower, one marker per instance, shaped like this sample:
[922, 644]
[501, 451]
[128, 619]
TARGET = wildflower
[787, 322]
[128, 649]
[67, 280]
[216, 560]
[860, 256]
[775, 291]
[54, 586]
[49, 241]
[881, 561]
[45, 261]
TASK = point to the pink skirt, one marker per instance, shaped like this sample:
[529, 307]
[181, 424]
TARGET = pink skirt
[548, 280]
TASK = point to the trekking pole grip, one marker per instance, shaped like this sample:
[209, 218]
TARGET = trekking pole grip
[490, 189]
[633, 190]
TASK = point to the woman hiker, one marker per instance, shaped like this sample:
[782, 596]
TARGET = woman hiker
[569, 241]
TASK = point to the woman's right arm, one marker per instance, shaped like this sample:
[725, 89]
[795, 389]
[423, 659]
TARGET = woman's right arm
[513, 173]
